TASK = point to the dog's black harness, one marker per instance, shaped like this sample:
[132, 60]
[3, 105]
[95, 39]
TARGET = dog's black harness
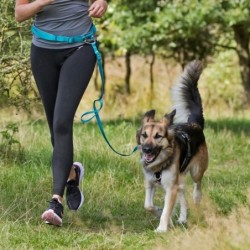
[186, 142]
[185, 139]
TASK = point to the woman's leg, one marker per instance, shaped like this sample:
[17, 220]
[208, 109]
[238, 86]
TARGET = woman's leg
[46, 65]
[62, 77]
[75, 75]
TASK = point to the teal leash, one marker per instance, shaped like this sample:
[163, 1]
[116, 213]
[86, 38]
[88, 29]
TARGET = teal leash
[98, 103]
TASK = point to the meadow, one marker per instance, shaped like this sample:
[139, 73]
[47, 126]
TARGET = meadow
[113, 216]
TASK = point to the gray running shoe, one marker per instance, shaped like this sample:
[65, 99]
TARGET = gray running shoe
[53, 215]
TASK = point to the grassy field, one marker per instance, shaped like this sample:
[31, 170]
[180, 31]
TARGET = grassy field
[113, 216]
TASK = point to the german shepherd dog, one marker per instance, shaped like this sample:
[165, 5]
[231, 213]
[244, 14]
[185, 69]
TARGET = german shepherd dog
[174, 146]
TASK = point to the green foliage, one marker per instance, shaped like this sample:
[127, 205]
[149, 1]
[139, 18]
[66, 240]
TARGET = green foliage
[170, 28]
[222, 88]
[16, 87]
[180, 30]
[10, 147]
[234, 12]
[184, 30]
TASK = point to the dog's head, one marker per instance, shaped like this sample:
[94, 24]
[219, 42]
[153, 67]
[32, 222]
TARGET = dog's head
[155, 139]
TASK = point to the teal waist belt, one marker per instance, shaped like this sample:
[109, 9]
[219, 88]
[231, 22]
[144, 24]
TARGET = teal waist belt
[64, 39]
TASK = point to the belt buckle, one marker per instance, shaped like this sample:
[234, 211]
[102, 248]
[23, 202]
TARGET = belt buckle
[71, 40]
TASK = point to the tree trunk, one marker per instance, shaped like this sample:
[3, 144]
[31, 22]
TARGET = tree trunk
[128, 72]
[151, 70]
[242, 36]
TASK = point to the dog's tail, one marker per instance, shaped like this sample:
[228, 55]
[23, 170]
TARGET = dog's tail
[186, 97]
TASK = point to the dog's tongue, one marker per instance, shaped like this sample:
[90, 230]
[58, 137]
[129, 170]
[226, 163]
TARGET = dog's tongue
[149, 157]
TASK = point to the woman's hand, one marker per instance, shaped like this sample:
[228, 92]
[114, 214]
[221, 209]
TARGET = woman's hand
[98, 8]
[43, 3]
[26, 9]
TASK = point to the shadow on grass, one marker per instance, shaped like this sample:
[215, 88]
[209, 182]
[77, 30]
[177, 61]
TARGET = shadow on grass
[121, 218]
[236, 126]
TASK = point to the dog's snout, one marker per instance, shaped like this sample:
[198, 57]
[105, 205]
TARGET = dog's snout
[147, 149]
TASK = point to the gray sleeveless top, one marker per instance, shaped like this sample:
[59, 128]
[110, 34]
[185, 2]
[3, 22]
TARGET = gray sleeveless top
[65, 18]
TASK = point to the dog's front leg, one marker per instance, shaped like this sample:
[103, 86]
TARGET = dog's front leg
[150, 187]
[149, 199]
[183, 205]
[149, 195]
[170, 198]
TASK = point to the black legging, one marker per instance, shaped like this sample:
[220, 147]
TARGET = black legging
[62, 76]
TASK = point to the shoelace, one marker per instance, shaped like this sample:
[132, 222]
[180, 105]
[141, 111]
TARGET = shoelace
[72, 184]
[54, 204]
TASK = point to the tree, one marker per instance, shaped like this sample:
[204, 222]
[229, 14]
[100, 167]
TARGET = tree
[196, 29]
[234, 18]
[171, 29]
[15, 78]
[131, 22]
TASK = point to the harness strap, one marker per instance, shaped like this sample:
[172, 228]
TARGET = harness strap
[186, 140]
[88, 38]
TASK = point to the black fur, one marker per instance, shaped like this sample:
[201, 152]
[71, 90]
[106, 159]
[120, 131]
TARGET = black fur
[188, 134]
[189, 93]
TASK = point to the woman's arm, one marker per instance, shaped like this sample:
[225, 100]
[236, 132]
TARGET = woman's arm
[97, 8]
[25, 9]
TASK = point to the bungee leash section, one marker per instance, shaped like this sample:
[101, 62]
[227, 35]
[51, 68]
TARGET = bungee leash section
[88, 38]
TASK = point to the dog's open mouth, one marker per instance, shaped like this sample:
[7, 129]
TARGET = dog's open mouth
[150, 157]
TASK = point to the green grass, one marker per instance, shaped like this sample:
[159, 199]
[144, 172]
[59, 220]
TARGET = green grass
[113, 216]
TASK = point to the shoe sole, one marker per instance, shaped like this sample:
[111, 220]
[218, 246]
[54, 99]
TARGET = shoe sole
[81, 167]
[50, 217]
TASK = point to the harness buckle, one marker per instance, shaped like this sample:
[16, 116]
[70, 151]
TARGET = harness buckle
[158, 176]
[71, 40]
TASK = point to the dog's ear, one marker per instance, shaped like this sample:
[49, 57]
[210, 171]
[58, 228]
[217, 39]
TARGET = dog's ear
[169, 118]
[170, 134]
[149, 116]
[138, 135]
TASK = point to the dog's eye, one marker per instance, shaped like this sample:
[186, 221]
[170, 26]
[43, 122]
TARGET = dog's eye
[144, 135]
[158, 136]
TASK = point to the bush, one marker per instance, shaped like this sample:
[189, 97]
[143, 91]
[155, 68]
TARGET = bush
[10, 147]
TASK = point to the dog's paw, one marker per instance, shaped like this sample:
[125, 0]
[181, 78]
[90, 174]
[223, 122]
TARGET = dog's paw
[158, 212]
[182, 223]
[182, 219]
[197, 195]
[155, 210]
[161, 230]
